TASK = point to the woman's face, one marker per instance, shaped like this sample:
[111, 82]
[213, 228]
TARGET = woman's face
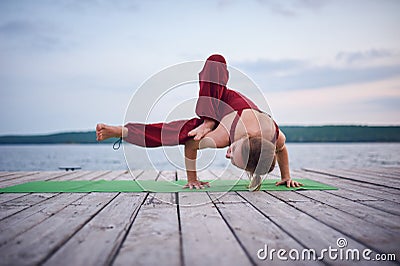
[234, 153]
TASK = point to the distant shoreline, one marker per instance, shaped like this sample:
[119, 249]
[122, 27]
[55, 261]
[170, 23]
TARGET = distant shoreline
[294, 134]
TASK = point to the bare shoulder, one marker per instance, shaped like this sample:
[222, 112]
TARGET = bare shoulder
[280, 141]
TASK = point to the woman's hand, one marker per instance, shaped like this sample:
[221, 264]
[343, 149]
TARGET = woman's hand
[196, 184]
[289, 183]
[202, 130]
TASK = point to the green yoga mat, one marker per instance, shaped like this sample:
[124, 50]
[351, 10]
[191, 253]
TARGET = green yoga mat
[152, 186]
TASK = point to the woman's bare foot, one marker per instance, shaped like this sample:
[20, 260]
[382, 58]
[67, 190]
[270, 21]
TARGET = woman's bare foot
[104, 132]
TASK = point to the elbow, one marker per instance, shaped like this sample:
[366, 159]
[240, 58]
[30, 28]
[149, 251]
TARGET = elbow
[207, 142]
[192, 145]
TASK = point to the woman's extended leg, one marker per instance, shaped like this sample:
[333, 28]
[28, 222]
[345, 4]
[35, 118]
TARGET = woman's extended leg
[161, 134]
[150, 135]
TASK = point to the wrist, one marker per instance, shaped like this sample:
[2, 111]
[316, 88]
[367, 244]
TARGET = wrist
[192, 179]
[124, 133]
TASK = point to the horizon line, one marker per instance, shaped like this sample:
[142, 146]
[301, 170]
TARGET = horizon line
[281, 125]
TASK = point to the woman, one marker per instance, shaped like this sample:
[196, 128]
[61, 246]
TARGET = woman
[227, 118]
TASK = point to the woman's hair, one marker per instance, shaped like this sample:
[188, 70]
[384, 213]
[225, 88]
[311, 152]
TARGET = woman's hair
[259, 154]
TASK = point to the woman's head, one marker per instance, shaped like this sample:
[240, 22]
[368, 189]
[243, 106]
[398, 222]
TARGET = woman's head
[253, 154]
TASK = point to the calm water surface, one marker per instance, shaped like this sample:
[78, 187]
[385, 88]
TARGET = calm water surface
[103, 157]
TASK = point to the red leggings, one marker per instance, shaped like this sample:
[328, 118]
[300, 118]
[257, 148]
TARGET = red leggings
[161, 134]
[215, 101]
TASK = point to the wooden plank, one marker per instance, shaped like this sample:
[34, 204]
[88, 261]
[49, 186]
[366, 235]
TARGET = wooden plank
[204, 232]
[369, 214]
[36, 244]
[129, 175]
[379, 204]
[365, 194]
[390, 169]
[353, 195]
[157, 218]
[87, 175]
[54, 175]
[111, 175]
[299, 226]
[376, 173]
[26, 219]
[16, 175]
[78, 175]
[206, 175]
[18, 202]
[99, 239]
[355, 187]
[92, 175]
[181, 175]
[5, 197]
[203, 175]
[21, 203]
[375, 237]
[5, 173]
[235, 173]
[167, 176]
[205, 236]
[252, 228]
[168, 198]
[387, 206]
[393, 184]
[373, 174]
[149, 175]
[154, 237]
[34, 177]
[135, 174]
[228, 174]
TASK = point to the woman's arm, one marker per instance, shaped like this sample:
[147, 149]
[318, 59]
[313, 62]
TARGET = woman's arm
[214, 139]
[283, 162]
[191, 147]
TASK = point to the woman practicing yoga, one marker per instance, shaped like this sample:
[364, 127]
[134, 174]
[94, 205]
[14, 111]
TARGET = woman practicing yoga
[226, 118]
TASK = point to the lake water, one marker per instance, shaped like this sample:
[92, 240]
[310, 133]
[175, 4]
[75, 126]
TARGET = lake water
[103, 157]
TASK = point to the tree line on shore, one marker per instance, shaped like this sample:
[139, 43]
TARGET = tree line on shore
[293, 134]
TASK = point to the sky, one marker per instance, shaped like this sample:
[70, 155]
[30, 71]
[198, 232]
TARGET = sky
[67, 65]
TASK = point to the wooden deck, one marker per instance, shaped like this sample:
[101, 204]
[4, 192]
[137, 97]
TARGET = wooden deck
[203, 228]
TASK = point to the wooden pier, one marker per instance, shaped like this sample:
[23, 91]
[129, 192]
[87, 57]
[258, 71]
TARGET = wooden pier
[203, 228]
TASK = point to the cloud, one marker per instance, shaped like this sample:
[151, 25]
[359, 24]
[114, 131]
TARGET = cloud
[292, 8]
[372, 54]
[385, 102]
[369, 103]
[88, 6]
[25, 34]
[62, 6]
[271, 67]
[288, 8]
[16, 27]
[297, 74]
